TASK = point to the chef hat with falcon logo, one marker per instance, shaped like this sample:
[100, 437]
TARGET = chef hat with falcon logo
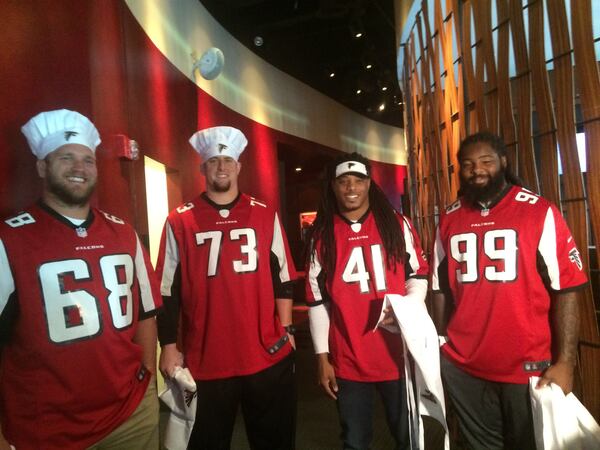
[219, 141]
[353, 164]
[50, 130]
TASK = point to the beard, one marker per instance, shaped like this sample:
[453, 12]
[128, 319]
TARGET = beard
[218, 186]
[483, 194]
[69, 197]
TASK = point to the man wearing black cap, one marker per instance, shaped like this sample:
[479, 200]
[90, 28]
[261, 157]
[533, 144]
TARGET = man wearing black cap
[77, 305]
[360, 249]
[226, 279]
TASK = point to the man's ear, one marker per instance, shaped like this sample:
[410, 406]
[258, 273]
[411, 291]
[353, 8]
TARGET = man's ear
[239, 167]
[41, 167]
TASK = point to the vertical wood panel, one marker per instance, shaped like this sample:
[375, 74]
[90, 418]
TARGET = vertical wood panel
[486, 64]
[589, 84]
[507, 120]
[546, 126]
[523, 94]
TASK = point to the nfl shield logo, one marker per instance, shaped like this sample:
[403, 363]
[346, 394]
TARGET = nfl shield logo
[81, 232]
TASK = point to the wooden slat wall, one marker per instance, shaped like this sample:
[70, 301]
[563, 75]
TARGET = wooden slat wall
[533, 115]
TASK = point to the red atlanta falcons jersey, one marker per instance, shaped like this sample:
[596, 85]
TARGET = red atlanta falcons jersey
[501, 265]
[221, 268]
[355, 294]
[70, 300]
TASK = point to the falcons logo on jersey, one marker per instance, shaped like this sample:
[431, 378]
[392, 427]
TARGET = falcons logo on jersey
[575, 258]
[189, 396]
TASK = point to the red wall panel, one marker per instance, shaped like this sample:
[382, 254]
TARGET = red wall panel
[95, 58]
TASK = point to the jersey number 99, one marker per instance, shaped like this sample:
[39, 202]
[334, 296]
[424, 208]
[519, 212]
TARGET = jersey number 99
[499, 246]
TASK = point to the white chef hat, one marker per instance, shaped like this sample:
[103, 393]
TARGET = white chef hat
[50, 130]
[219, 141]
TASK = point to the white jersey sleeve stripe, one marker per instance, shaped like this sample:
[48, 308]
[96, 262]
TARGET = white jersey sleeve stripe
[141, 272]
[278, 248]
[547, 248]
[409, 242]
[7, 283]
[319, 328]
[313, 273]
[438, 256]
[171, 262]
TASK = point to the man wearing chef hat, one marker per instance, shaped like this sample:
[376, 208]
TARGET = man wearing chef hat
[77, 305]
[226, 279]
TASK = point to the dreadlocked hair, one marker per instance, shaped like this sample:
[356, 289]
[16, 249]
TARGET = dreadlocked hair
[497, 144]
[383, 212]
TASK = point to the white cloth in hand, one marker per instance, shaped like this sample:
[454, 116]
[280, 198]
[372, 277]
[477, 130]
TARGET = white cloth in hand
[180, 396]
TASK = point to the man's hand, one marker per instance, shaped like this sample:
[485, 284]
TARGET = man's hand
[4, 445]
[565, 336]
[327, 376]
[170, 358]
[292, 340]
[560, 374]
[389, 317]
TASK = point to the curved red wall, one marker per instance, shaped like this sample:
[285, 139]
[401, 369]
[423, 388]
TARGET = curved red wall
[95, 58]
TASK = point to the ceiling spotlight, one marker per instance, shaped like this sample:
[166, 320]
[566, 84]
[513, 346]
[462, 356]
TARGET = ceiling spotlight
[381, 107]
[357, 30]
[258, 41]
[358, 91]
[331, 74]
[369, 66]
[384, 88]
[298, 169]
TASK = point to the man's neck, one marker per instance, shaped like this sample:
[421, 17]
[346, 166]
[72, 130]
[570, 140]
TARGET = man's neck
[355, 214]
[73, 211]
[222, 198]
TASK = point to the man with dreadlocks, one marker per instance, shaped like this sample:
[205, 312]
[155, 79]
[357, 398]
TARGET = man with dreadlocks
[509, 262]
[359, 250]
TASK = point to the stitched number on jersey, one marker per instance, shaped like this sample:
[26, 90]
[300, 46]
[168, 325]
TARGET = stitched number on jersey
[528, 197]
[248, 249]
[356, 269]
[214, 250]
[74, 314]
[247, 236]
[500, 246]
[20, 220]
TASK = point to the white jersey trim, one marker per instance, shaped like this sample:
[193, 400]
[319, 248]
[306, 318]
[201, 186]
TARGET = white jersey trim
[171, 261]
[141, 272]
[7, 282]
[438, 256]
[547, 248]
[278, 248]
[313, 272]
[409, 242]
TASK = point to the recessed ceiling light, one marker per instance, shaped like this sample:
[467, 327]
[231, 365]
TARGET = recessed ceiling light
[358, 91]
[381, 107]
[358, 35]
[259, 41]
[331, 74]
[369, 66]
[298, 169]
[384, 88]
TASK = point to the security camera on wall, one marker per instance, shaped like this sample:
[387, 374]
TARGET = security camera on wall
[210, 63]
